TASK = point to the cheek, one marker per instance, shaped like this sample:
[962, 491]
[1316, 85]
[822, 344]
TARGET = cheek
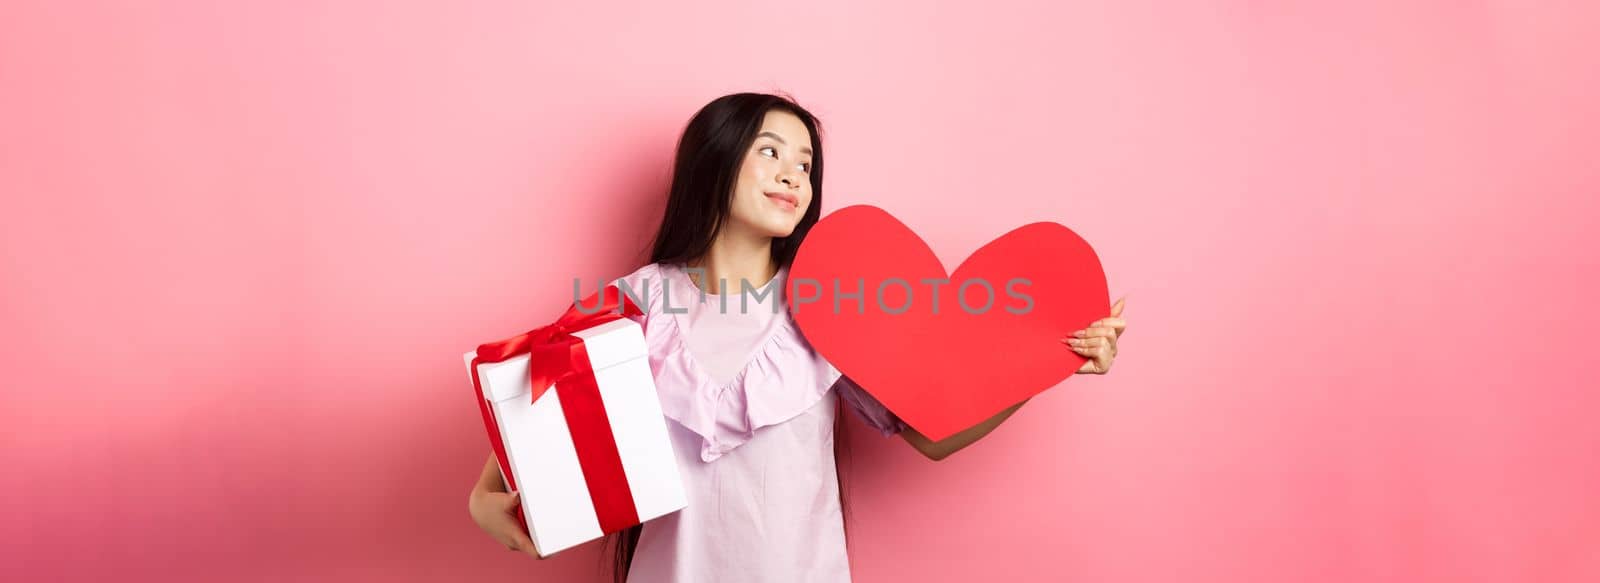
[744, 186]
[753, 172]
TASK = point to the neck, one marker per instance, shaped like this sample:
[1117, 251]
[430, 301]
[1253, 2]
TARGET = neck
[735, 256]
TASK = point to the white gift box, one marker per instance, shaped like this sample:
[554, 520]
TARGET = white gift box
[555, 497]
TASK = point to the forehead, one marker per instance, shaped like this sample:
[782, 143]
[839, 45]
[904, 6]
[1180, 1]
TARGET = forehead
[788, 126]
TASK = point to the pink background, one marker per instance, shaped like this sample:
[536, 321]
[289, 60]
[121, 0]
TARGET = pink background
[245, 247]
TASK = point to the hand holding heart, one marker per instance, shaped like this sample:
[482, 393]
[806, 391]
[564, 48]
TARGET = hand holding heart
[1098, 342]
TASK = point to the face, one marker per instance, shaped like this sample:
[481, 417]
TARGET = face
[773, 189]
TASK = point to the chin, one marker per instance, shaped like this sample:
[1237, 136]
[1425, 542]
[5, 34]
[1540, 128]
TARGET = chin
[780, 233]
[780, 230]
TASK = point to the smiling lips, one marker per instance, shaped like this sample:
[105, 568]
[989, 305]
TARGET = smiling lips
[784, 200]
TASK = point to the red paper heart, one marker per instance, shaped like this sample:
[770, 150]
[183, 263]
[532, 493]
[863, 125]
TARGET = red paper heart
[944, 372]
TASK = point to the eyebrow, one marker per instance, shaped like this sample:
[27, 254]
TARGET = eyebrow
[803, 149]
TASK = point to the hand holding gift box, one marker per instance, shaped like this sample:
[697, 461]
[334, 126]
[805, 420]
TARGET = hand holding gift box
[574, 420]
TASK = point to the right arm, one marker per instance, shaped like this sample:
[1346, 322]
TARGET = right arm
[492, 507]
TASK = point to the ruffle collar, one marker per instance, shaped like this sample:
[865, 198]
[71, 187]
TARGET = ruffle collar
[782, 378]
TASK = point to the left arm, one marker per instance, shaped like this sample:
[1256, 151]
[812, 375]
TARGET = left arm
[1098, 343]
[938, 450]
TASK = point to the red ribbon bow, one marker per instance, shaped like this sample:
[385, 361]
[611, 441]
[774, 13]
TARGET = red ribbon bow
[554, 354]
[558, 359]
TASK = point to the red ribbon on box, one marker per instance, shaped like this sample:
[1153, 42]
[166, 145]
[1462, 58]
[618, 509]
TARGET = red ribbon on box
[558, 359]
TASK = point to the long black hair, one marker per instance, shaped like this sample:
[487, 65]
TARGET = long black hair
[704, 170]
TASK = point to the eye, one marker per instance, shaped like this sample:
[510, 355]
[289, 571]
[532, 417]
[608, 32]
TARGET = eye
[774, 152]
[805, 167]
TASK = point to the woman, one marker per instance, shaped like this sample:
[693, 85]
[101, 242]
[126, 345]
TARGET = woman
[755, 410]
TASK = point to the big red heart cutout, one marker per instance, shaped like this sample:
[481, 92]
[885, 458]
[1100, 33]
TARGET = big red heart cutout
[942, 372]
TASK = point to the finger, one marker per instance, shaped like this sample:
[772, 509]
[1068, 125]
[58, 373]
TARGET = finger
[1087, 346]
[1094, 335]
[1116, 309]
[1090, 342]
[1111, 323]
[1092, 346]
[1117, 324]
[511, 534]
[524, 544]
[1096, 331]
[509, 500]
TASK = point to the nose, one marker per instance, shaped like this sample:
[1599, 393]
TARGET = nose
[789, 180]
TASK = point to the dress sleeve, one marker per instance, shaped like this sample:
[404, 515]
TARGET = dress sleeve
[642, 288]
[869, 409]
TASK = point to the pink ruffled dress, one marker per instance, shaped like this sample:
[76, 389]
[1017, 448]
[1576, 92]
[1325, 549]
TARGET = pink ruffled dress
[751, 411]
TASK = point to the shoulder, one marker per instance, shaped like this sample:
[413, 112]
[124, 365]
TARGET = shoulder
[648, 271]
[643, 287]
[644, 282]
